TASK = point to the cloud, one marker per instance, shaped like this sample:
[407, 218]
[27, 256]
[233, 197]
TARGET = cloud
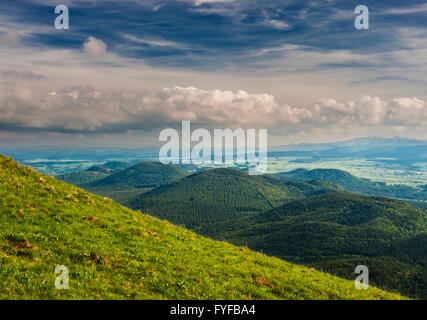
[410, 111]
[284, 54]
[372, 111]
[9, 37]
[94, 47]
[84, 110]
[20, 75]
[278, 24]
[200, 2]
[152, 42]
[406, 10]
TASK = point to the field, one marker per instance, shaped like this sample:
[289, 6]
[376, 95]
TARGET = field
[376, 170]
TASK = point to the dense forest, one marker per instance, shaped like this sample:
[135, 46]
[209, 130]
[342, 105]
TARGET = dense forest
[222, 194]
[93, 173]
[323, 230]
[142, 175]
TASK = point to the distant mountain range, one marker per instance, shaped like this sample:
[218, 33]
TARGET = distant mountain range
[357, 143]
[366, 146]
[393, 149]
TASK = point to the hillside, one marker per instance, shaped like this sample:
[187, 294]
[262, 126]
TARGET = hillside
[142, 175]
[86, 176]
[355, 184]
[338, 226]
[93, 173]
[116, 253]
[116, 165]
[222, 194]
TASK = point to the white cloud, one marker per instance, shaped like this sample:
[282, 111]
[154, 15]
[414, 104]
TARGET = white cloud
[152, 42]
[83, 109]
[200, 2]
[278, 24]
[410, 111]
[16, 75]
[94, 47]
[406, 10]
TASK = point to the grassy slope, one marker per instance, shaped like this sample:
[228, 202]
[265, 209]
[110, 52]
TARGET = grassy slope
[222, 194]
[113, 252]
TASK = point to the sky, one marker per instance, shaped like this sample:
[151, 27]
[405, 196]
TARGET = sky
[125, 70]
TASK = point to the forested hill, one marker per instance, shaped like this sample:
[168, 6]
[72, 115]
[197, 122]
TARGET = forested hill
[142, 175]
[321, 229]
[93, 173]
[222, 194]
[355, 184]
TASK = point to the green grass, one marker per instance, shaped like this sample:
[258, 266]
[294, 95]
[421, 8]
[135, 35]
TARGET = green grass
[115, 253]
